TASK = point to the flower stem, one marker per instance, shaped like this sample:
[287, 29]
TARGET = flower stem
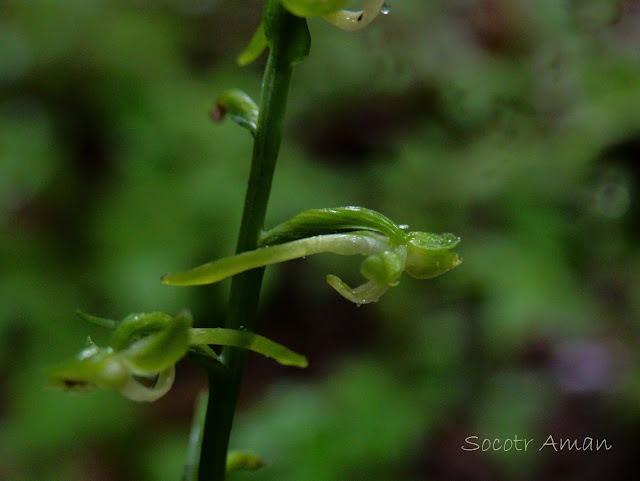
[245, 287]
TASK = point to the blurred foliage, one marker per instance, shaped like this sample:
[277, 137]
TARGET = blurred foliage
[514, 124]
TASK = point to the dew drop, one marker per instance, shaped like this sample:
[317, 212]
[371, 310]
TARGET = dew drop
[386, 8]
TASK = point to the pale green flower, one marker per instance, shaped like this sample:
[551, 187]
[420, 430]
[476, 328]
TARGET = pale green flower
[333, 11]
[388, 248]
[139, 361]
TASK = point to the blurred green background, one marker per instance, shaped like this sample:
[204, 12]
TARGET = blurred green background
[514, 124]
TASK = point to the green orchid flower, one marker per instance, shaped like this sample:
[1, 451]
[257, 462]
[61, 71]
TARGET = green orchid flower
[388, 248]
[332, 11]
[139, 361]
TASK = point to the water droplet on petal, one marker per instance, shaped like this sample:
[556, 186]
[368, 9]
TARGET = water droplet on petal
[386, 8]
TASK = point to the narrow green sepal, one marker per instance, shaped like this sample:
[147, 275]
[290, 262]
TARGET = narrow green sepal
[98, 321]
[333, 220]
[257, 45]
[240, 107]
[248, 340]
[237, 460]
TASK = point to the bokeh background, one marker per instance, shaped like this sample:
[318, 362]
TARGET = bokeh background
[514, 124]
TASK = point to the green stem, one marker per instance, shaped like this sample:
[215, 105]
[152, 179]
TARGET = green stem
[245, 287]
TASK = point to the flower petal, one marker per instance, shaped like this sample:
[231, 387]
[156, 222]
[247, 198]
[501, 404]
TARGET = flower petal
[349, 20]
[363, 294]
